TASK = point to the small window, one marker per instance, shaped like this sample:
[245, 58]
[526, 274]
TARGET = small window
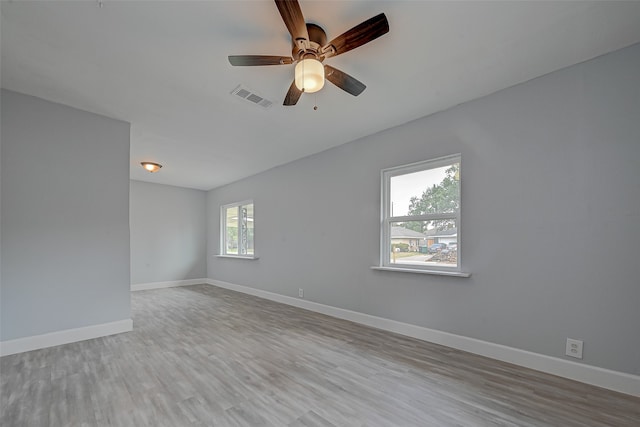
[421, 215]
[237, 228]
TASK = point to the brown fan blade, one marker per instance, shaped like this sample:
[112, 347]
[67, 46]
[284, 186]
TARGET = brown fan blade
[294, 20]
[248, 60]
[343, 80]
[361, 34]
[293, 95]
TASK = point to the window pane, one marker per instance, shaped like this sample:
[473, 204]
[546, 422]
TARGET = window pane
[231, 230]
[246, 244]
[424, 243]
[429, 191]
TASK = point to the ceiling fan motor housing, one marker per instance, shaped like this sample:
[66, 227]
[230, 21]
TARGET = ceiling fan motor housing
[317, 39]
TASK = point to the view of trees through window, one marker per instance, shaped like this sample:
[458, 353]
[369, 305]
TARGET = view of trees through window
[424, 206]
[440, 198]
[238, 229]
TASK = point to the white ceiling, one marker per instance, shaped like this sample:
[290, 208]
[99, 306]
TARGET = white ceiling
[162, 66]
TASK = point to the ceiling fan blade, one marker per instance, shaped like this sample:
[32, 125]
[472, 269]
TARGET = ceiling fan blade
[361, 34]
[293, 95]
[343, 80]
[248, 60]
[294, 20]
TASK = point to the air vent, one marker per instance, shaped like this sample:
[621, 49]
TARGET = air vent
[254, 98]
[249, 95]
[243, 93]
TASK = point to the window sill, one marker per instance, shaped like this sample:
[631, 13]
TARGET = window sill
[250, 258]
[421, 271]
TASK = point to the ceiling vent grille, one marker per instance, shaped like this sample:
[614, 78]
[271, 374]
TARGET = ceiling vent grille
[249, 95]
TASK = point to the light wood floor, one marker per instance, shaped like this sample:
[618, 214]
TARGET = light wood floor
[205, 356]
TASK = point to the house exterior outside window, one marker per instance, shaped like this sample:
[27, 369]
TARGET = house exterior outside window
[421, 205]
[237, 229]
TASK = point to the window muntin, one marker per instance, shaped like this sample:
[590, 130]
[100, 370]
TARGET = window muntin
[421, 215]
[237, 229]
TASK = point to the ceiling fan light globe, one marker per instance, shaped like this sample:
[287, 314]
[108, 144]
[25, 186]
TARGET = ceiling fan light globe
[309, 75]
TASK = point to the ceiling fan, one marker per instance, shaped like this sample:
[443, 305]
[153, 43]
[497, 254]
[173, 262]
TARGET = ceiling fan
[310, 49]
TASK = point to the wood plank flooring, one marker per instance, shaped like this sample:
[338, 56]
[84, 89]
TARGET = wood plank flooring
[205, 356]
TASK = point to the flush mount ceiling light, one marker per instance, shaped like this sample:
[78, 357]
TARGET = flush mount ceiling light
[151, 167]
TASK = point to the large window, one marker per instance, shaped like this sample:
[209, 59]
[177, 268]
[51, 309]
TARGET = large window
[236, 229]
[421, 216]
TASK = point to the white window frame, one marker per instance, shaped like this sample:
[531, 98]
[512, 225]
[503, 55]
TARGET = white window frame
[223, 230]
[387, 219]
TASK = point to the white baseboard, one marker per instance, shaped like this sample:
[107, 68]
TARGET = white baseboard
[36, 342]
[169, 284]
[605, 378]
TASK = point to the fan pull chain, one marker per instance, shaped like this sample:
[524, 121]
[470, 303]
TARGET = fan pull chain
[315, 102]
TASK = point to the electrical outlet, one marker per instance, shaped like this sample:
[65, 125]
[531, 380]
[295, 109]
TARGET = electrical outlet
[300, 293]
[574, 348]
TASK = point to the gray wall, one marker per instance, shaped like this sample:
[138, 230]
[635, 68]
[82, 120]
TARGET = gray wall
[551, 214]
[168, 233]
[65, 218]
